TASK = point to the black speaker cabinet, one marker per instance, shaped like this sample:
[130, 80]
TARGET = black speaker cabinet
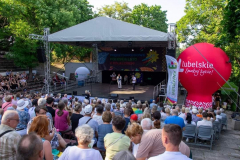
[74, 93]
[41, 55]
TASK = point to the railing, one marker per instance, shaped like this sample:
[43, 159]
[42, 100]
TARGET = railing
[158, 87]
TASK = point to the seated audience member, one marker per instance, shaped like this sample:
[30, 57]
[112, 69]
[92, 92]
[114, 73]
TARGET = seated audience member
[189, 119]
[156, 120]
[76, 116]
[139, 109]
[108, 109]
[222, 113]
[200, 113]
[174, 119]
[98, 117]
[62, 119]
[218, 116]
[133, 118]
[116, 141]
[30, 147]
[146, 124]
[167, 111]
[171, 139]
[24, 117]
[183, 115]
[8, 102]
[84, 135]
[40, 127]
[163, 114]
[124, 155]
[49, 105]
[42, 103]
[151, 143]
[9, 137]
[117, 111]
[88, 120]
[194, 117]
[127, 119]
[204, 122]
[104, 129]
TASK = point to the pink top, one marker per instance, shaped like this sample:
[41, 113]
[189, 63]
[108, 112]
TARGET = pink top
[14, 102]
[6, 105]
[61, 122]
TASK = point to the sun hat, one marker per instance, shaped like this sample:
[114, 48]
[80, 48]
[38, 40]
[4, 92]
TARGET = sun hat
[88, 109]
[21, 104]
[194, 110]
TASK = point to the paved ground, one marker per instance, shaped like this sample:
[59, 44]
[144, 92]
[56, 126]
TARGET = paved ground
[226, 148]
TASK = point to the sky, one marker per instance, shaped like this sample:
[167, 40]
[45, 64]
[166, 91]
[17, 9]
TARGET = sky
[174, 8]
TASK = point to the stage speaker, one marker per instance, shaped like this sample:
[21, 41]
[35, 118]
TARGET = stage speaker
[114, 95]
[131, 98]
[41, 55]
[171, 52]
[75, 93]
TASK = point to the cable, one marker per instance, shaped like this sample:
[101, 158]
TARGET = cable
[229, 96]
[216, 70]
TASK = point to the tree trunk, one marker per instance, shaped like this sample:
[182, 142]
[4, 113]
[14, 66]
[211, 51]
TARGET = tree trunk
[30, 76]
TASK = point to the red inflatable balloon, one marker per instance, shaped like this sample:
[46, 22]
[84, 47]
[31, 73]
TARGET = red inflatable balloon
[199, 65]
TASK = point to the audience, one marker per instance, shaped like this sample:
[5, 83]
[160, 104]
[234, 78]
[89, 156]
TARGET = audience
[116, 141]
[189, 119]
[9, 138]
[204, 122]
[174, 119]
[62, 119]
[30, 147]
[171, 139]
[104, 129]
[194, 115]
[98, 117]
[156, 120]
[24, 117]
[124, 155]
[76, 116]
[84, 135]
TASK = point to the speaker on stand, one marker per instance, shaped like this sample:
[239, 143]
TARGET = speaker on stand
[41, 55]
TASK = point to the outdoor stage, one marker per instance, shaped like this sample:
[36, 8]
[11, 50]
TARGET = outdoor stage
[103, 90]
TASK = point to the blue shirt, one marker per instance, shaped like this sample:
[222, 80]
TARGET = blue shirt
[126, 124]
[24, 117]
[92, 123]
[103, 129]
[175, 120]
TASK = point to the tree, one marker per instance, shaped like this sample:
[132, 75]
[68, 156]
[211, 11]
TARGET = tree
[118, 10]
[26, 16]
[149, 16]
[201, 22]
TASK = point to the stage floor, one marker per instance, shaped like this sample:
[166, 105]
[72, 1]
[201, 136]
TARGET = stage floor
[104, 90]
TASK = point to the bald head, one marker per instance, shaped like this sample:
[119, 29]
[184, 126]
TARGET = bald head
[146, 124]
[30, 147]
[9, 114]
[175, 112]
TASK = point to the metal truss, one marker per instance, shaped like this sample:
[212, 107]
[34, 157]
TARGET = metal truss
[44, 38]
[95, 71]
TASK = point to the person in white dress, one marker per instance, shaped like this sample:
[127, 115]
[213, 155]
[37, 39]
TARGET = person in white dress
[119, 81]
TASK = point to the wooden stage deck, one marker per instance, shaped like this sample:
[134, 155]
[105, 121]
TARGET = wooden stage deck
[104, 90]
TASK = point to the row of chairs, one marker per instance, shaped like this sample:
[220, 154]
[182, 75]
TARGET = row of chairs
[205, 133]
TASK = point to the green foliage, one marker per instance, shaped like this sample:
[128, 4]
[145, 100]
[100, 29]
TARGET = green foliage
[25, 17]
[150, 16]
[227, 88]
[118, 10]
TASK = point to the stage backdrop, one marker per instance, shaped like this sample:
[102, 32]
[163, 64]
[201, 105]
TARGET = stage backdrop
[132, 59]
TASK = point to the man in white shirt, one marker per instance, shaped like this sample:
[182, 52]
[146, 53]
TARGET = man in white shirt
[133, 81]
[171, 139]
[204, 122]
[119, 81]
[182, 115]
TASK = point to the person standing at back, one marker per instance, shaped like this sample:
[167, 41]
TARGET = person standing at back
[171, 139]
[133, 81]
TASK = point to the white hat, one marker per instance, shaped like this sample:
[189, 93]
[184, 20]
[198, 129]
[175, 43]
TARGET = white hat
[88, 109]
[21, 104]
[194, 110]
[194, 107]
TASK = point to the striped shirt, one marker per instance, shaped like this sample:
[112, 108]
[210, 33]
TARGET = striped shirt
[8, 143]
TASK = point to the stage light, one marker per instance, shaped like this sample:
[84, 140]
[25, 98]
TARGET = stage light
[150, 50]
[115, 50]
[133, 50]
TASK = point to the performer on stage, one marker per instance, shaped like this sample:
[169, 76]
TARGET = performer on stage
[113, 78]
[125, 79]
[119, 81]
[133, 81]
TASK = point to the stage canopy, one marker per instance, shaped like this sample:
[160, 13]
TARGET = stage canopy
[108, 32]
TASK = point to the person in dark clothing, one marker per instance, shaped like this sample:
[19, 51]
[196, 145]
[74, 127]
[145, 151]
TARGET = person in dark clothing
[76, 116]
[127, 119]
[49, 106]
